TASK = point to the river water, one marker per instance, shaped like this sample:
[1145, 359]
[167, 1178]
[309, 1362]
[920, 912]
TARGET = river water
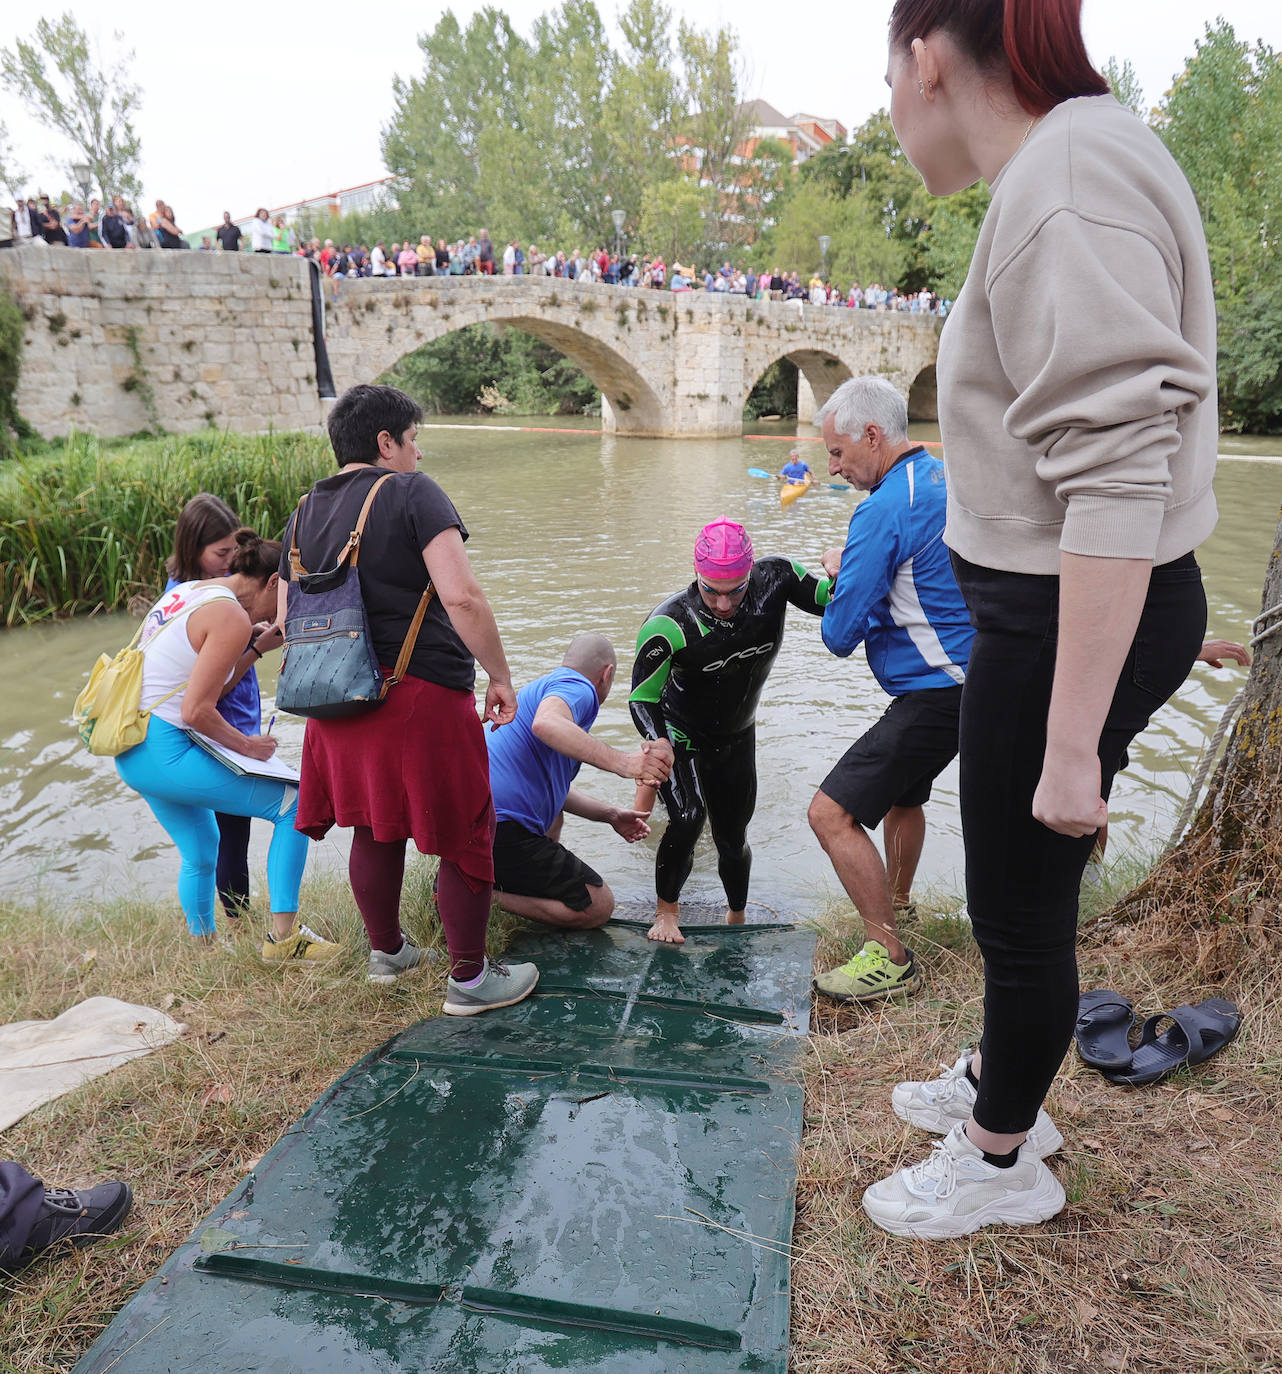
[577, 531]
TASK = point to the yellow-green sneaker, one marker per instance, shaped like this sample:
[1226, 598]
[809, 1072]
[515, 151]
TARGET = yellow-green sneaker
[302, 944]
[869, 975]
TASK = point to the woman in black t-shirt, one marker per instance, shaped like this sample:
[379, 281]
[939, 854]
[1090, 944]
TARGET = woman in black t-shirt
[415, 767]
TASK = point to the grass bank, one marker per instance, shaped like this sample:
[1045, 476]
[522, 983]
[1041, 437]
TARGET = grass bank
[86, 526]
[1167, 1259]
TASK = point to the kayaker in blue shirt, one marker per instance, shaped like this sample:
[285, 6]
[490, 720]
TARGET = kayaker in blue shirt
[533, 763]
[794, 470]
[894, 592]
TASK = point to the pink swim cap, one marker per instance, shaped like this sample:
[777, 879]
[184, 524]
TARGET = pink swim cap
[723, 549]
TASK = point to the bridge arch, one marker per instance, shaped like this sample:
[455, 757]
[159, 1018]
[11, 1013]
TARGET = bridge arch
[368, 331]
[923, 395]
[823, 372]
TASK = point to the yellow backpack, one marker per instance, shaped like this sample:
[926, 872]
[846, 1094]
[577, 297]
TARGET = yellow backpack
[107, 715]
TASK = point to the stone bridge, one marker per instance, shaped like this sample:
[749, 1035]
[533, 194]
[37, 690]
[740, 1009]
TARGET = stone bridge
[118, 342]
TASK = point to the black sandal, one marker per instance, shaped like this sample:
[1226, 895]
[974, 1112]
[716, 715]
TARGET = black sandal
[1194, 1035]
[1104, 1021]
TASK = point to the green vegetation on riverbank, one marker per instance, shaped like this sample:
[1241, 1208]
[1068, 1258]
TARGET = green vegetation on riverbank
[1165, 1259]
[87, 526]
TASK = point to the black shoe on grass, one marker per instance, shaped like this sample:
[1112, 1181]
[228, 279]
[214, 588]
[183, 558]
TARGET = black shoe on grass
[76, 1218]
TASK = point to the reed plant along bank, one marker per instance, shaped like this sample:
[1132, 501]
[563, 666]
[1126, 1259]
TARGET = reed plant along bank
[88, 526]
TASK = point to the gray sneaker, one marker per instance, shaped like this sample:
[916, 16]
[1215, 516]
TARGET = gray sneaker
[502, 986]
[387, 968]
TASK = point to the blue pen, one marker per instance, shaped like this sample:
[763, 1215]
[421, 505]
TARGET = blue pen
[271, 722]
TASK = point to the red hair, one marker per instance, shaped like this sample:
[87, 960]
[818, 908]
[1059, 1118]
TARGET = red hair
[1040, 41]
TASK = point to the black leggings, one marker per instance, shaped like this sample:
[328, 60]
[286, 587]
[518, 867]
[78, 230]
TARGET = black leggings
[1022, 879]
[233, 862]
[716, 780]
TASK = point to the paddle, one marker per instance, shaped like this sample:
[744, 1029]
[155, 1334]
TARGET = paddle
[761, 472]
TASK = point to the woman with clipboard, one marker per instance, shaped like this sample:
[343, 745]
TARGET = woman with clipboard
[193, 763]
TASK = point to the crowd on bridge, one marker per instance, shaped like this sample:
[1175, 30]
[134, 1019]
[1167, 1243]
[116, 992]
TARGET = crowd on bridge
[116, 225]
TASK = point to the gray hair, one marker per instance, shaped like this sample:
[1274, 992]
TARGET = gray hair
[862, 401]
[590, 653]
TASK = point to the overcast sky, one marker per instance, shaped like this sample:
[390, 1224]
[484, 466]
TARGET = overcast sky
[243, 107]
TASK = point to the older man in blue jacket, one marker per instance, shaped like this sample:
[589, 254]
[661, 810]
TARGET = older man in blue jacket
[894, 592]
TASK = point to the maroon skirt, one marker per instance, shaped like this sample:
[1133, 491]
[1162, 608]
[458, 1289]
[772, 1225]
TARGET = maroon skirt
[415, 768]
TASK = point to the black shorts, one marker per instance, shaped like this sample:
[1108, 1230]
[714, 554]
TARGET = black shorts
[896, 761]
[530, 865]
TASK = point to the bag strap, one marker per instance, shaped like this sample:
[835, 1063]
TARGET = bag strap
[407, 648]
[352, 547]
[182, 615]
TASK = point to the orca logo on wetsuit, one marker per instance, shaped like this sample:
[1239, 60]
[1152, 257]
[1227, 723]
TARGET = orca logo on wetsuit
[751, 652]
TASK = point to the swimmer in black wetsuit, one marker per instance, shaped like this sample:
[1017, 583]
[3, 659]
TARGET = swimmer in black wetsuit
[702, 659]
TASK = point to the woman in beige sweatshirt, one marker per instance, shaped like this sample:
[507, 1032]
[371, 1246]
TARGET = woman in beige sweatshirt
[1078, 411]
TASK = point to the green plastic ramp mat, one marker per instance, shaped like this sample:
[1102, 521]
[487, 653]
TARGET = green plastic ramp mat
[599, 1179]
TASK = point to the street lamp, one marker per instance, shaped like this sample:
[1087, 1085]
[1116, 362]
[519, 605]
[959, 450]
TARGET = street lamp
[618, 216]
[81, 171]
[825, 242]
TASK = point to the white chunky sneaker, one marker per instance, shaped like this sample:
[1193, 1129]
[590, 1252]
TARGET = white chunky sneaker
[945, 1101]
[955, 1191]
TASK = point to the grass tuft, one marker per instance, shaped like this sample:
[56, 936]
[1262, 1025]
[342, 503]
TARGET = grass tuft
[88, 525]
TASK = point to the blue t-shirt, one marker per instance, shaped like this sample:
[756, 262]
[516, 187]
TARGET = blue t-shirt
[242, 707]
[530, 781]
[796, 472]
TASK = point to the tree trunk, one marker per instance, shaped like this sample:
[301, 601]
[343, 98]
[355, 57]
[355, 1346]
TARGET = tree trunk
[1226, 872]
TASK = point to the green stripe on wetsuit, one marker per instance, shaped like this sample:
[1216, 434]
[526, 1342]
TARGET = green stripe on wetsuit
[650, 688]
[823, 585]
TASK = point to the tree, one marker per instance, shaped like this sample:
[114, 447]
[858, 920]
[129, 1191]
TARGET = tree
[716, 126]
[874, 164]
[641, 109]
[1222, 120]
[470, 98]
[1250, 365]
[1220, 889]
[12, 177]
[673, 218]
[1125, 84]
[860, 250]
[65, 84]
[949, 243]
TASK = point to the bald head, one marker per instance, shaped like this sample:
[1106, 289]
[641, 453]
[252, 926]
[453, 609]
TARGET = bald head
[590, 654]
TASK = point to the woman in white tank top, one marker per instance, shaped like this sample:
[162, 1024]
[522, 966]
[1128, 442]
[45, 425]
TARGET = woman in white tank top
[192, 642]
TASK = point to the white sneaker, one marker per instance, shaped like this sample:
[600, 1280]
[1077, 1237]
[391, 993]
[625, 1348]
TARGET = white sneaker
[942, 1103]
[955, 1191]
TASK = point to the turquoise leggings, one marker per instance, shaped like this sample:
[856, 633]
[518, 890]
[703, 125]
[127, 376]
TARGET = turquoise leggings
[184, 786]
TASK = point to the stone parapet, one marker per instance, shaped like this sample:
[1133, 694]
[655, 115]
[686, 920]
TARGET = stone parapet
[118, 342]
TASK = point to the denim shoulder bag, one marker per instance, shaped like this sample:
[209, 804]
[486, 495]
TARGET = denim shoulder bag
[328, 667]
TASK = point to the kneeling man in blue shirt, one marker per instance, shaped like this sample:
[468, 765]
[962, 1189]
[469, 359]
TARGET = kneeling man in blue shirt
[533, 762]
[895, 593]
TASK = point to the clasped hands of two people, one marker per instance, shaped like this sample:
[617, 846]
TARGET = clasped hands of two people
[650, 766]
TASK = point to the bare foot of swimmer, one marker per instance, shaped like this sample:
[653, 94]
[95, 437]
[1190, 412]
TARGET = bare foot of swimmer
[735, 918]
[665, 928]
